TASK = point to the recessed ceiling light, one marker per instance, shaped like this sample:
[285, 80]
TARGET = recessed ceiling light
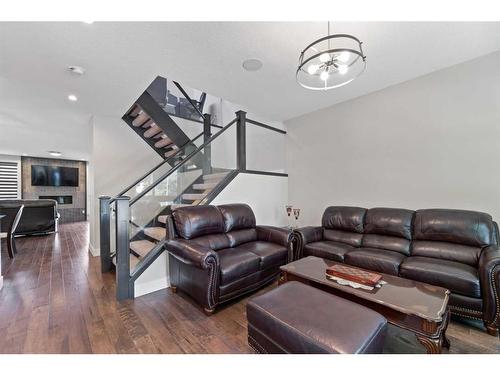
[77, 70]
[55, 153]
[72, 98]
[252, 65]
[88, 22]
[25, 154]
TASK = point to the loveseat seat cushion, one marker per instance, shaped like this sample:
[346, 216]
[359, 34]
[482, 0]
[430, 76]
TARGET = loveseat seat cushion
[237, 216]
[236, 263]
[458, 226]
[344, 218]
[378, 260]
[194, 221]
[457, 277]
[269, 253]
[213, 241]
[328, 250]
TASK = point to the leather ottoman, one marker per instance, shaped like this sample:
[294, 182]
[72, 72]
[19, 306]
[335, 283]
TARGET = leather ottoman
[299, 319]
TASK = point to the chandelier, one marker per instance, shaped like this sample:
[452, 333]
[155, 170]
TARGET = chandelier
[330, 62]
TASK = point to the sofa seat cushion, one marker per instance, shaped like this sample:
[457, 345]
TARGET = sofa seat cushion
[378, 260]
[328, 250]
[236, 263]
[270, 254]
[457, 277]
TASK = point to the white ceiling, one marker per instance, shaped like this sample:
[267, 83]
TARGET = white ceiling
[122, 58]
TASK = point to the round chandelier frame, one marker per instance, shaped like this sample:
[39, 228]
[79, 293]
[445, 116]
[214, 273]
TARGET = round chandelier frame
[330, 71]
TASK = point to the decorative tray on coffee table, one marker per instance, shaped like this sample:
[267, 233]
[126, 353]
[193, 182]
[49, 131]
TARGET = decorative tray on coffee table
[354, 277]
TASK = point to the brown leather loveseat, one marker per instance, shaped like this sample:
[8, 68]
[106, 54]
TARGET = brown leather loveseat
[454, 249]
[217, 253]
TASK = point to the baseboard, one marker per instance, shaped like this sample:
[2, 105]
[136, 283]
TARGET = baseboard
[141, 289]
[93, 251]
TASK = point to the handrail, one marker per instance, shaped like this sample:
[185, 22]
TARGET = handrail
[188, 98]
[184, 161]
[155, 168]
[265, 126]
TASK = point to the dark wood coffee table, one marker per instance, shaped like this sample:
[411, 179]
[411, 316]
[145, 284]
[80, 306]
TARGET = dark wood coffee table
[418, 307]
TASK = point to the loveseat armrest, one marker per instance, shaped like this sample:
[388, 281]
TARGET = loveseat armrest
[489, 274]
[192, 254]
[280, 236]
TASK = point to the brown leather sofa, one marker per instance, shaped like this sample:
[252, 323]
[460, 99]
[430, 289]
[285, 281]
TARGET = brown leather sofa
[454, 249]
[219, 253]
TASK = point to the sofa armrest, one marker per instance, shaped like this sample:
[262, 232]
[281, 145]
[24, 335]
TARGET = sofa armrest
[489, 274]
[192, 254]
[303, 236]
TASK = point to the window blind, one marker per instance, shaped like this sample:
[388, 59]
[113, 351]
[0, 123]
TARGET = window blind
[9, 180]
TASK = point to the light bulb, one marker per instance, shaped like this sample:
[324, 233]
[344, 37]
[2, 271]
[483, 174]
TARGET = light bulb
[312, 69]
[324, 75]
[72, 98]
[324, 57]
[343, 56]
[342, 69]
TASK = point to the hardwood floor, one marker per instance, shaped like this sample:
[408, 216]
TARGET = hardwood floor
[55, 300]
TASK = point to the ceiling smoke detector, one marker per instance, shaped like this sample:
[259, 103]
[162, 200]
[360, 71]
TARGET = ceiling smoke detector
[77, 70]
[252, 65]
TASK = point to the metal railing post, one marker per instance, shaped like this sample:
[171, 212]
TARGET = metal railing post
[207, 133]
[241, 159]
[104, 232]
[123, 249]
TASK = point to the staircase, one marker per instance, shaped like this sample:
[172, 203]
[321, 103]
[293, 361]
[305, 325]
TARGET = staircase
[186, 177]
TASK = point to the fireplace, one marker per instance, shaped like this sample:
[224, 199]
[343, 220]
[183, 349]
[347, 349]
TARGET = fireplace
[60, 199]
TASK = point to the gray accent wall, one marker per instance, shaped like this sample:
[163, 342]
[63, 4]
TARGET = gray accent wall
[76, 211]
[430, 142]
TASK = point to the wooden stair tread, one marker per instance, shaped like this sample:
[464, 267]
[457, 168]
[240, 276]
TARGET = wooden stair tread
[193, 197]
[170, 153]
[214, 176]
[152, 131]
[157, 233]
[141, 118]
[135, 111]
[133, 261]
[163, 142]
[142, 247]
[205, 186]
[179, 205]
[162, 219]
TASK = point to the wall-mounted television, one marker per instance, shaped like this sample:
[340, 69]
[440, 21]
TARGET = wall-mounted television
[45, 175]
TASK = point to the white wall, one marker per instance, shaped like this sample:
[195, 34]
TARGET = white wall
[267, 195]
[119, 157]
[430, 142]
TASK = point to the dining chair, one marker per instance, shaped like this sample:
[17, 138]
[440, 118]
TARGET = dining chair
[9, 235]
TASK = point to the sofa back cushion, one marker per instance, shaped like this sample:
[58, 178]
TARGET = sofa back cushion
[349, 238]
[448, 251]
[389, 229]
[241, 236]
[457, 226]
[237, 216]
[213, 241]
[195, 221]
[348, 219]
